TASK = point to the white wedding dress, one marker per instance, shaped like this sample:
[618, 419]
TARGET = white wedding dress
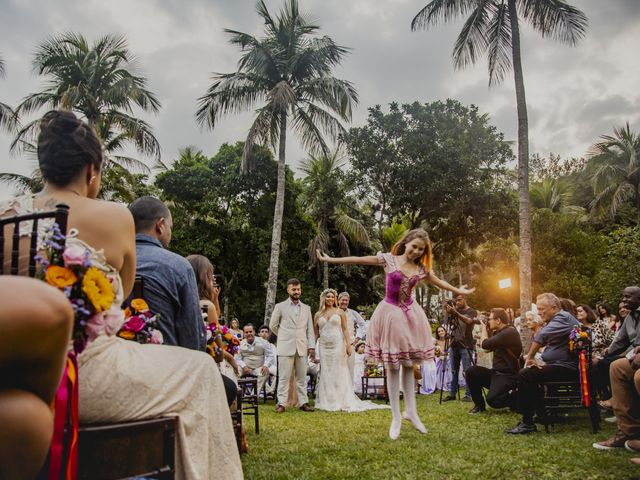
[335, 387]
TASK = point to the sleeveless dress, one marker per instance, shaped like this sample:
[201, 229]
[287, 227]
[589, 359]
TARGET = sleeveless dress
[121, 380]
[334, 391]
[399, 331]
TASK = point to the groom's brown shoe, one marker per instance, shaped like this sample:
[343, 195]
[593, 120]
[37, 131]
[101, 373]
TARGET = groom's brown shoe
[306, 408]
[279, 409]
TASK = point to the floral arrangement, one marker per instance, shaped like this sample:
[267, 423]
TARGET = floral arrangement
[230, 342]
[579, 338]
[438, 351]
[71, 270]
[140, 324]
[374, 370]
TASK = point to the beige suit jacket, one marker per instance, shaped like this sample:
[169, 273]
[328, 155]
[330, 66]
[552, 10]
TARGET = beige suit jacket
[295, 334]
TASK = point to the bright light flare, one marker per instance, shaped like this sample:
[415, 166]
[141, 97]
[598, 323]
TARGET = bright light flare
[504, 283]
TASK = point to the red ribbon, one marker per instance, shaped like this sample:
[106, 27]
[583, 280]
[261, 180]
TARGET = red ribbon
[584, 379]
[65, 425]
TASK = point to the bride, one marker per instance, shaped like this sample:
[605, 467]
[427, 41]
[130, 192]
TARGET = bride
[335, 387]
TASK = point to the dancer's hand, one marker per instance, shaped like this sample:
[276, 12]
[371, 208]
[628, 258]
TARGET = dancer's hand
[322, 257]
[349, 351]
[464, 290]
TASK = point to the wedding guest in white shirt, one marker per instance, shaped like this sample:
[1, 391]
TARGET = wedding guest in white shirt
[255, 356]
[355, 322]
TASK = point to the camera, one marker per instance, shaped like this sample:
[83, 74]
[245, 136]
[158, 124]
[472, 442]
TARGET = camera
[451, 303]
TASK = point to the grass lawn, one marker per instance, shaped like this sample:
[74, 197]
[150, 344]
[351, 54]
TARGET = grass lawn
[323, 445]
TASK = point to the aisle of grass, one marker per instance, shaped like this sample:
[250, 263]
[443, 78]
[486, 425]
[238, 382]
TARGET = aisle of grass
[322, 445]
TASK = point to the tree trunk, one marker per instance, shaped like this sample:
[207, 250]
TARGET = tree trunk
[524, 214]
[276, 234]
[325, 275]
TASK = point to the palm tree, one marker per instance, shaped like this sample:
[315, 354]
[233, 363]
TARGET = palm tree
[554, 194]
[96, 81]
[493, 28]
[289, 72]
[7, 115]
[615, 178]
[327, 203]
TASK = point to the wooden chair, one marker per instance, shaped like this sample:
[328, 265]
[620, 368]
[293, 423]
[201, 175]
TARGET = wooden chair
[374, 389]
[59, 215]
[236, 419]
[249, 401]
[560, 397]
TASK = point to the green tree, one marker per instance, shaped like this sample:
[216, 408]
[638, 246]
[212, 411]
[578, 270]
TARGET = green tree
[226, 216]
[98, 82]
[289, 70]
[615, 171]
[329, 204]
[493, 28]
[554, 194]
[7, 115]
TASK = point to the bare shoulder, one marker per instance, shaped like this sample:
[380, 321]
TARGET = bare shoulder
[116, 211]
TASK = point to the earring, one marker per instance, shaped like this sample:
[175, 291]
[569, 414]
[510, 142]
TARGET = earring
[92, 179]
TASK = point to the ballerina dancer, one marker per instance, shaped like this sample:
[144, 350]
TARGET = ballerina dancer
[399, 332]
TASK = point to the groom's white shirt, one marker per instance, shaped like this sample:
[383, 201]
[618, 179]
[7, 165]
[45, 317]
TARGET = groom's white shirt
[293, 324]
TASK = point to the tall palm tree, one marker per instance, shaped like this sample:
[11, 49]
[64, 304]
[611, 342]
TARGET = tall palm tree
[7, 115]
[492, 27]
[327, 203]
[615, 177]
[97, 81]
[288, 71]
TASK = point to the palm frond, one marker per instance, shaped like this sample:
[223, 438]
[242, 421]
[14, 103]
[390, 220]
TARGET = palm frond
[472, 41]
[555, 18]
[266, 129]
[499, 44]
[445, 10]
[8, 118]
[353, 229]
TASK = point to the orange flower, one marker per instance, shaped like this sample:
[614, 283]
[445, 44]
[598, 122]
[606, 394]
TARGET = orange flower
[139, 305]
[127, 312]
[98, 289]
[60, 277]
[126, 334]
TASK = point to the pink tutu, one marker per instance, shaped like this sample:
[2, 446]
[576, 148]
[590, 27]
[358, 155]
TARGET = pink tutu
[399, 332]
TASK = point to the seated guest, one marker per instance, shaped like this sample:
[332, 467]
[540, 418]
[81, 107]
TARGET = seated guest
[626, 338]
[235, 329]
[623, 311]
[601, 334]
[255, 357]
[266, 335]
[625, 385]
[121, 380]
[560, 363]
[35, 327]
[499, 337]
[169, 283]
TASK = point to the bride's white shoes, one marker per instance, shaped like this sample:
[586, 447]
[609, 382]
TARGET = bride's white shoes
[417, 424]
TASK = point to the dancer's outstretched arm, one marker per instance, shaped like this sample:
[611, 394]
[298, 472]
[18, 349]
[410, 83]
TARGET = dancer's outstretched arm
[462, 290]
[369, 260]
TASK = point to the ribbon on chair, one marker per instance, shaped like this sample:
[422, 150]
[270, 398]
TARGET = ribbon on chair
[584, 379]
[65, 420]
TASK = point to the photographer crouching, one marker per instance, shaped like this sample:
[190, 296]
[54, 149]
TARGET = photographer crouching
[501, 338]
[461, 319]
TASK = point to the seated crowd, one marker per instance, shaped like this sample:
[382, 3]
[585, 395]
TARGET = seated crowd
[122, 380]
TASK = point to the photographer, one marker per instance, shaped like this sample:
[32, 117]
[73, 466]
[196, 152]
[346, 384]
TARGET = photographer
[499, 337]
[461, 320]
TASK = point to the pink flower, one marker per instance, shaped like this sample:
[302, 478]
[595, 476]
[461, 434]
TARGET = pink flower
[95, 326]
[134, 324]
[75, 255]
[156, 337]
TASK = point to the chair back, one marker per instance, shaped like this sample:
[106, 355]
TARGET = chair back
[59, 215]
[138, 285]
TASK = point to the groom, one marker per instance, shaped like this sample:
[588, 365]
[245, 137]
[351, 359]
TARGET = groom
[291, 321]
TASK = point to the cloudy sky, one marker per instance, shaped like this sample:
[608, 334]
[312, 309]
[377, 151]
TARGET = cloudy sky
[573, 94]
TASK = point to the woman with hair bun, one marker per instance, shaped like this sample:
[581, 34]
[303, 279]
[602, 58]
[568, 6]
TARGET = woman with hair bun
[399, 332]
[121, 380]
